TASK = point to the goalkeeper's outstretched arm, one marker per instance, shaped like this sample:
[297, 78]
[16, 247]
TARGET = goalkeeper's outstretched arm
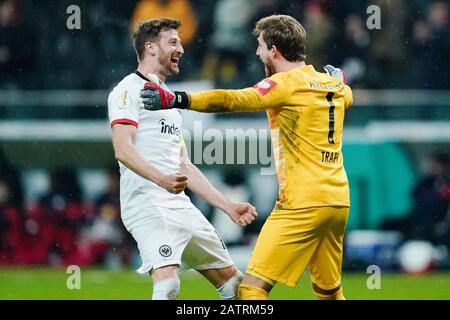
[271, 92]
[268, 93]
[244, 100]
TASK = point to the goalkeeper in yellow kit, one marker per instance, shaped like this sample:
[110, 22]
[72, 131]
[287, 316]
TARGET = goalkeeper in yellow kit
[306, 112]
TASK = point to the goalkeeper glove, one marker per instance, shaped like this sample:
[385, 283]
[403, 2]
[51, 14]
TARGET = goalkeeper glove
[335, 72]
[155, 97]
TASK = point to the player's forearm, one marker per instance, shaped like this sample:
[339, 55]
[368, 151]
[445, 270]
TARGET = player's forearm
[245, 100]
[133, 160]
[200, 185]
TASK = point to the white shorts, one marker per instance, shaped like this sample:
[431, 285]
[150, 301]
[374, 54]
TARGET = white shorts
[177, 236]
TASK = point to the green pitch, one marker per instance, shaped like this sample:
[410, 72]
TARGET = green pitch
[125, 284]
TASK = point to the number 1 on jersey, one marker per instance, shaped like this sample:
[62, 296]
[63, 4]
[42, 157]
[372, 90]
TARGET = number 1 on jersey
[331, 115]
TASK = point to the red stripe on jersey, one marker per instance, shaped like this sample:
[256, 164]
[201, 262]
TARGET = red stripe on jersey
[264, 86]
[125, 121]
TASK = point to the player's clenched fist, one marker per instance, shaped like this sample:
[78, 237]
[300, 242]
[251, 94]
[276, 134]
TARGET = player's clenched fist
[242, 214]
[174, 183]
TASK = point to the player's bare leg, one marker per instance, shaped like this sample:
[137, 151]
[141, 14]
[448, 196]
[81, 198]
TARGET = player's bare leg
[254, 288]
[166, 282]
[226, 280]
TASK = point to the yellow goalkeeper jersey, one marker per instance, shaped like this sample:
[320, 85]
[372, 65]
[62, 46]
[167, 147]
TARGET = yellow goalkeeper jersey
[306, 112]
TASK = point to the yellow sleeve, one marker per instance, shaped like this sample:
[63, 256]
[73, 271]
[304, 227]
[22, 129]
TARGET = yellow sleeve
[268, 93]
[348, 97]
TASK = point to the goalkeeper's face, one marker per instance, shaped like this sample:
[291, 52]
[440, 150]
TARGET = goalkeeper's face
[170, 51]
[266, 56]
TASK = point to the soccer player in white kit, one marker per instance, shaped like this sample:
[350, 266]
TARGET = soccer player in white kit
[171, 233]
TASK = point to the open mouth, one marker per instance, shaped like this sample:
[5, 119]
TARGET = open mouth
[175, 61]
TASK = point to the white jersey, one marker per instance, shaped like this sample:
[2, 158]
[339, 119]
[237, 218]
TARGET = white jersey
[159, 139]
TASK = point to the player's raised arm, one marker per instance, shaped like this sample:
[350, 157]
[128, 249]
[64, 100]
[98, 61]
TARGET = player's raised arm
[270, 92]
[267, 93]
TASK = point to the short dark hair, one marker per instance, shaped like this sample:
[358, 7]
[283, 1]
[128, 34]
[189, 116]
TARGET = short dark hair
[285, 33]
[149, 30]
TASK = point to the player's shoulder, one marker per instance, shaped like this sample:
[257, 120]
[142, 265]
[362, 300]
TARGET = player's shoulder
[130, 82]
[321, 76]
[126, 90]
[284, 82]
[348, 89]
[323, 81]
[309, 73]
[279, 79]
[348, 96]
[298, 74]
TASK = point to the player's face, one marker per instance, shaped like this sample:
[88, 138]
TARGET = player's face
[266, 56]
[170, 51]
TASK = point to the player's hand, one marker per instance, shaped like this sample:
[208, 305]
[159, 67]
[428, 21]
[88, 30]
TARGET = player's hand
[242, 214]
[154, 97]
[174, 183]
[335, 72]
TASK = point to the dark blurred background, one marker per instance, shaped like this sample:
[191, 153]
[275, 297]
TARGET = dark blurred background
[38, 52]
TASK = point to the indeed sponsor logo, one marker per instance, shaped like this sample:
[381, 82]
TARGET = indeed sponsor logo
[167, 128]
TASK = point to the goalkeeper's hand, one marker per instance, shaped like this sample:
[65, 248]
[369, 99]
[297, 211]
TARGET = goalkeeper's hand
[335, 72]
[155, 97]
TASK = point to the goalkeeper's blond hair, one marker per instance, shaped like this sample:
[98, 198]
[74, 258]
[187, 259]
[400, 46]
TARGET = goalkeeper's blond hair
[285, 33]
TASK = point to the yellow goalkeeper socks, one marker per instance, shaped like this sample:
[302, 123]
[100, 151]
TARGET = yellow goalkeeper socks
[248, 292]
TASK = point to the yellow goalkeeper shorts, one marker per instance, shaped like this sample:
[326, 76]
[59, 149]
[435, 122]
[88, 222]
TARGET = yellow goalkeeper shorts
[292, 240]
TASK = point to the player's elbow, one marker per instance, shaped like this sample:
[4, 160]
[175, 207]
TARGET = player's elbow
[120, 154]
[186, 167]
[122, 149]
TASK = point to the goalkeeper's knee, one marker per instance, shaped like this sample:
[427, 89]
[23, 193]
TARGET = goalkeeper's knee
[249, 292]
[166, 289]
[333, 294]
[229, 291]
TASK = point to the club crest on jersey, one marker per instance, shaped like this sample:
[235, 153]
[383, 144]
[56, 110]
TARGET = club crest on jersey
[264, 86]
[124, 100]
[165, 250]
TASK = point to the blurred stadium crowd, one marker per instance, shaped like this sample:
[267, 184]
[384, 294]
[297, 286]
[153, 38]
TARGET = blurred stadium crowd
[63, 226]
[60, 227]
[37, 51]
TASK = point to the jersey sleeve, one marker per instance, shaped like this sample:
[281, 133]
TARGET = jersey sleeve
[123, 107]
[268, 93]
[348, 97]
